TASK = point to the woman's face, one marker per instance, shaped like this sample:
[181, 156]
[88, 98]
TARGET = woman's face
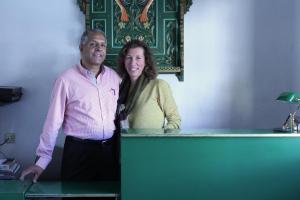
[135, 63]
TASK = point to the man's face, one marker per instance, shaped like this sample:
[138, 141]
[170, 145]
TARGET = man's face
[93, 52]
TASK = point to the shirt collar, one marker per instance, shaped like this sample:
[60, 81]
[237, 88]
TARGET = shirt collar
[87, 73]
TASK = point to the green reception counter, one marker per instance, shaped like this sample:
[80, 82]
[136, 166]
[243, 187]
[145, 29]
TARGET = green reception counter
[13, 189]
[18, 190]
[210, 165]
[189, 165]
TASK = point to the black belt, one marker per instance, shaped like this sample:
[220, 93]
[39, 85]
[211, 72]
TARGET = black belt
[89, 141]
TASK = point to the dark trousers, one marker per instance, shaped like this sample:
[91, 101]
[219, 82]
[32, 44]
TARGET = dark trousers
[88, 160]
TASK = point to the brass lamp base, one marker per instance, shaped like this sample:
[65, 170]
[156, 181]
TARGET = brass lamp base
[291, 123]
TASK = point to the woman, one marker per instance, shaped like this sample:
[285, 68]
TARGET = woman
[144, 102]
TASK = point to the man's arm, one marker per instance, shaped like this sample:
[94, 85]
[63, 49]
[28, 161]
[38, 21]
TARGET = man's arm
[33, 169]
[48, 137]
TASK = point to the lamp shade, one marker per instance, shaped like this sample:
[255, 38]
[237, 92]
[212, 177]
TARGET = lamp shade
[290, 97]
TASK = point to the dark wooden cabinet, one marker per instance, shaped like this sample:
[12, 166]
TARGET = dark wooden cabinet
[159, 23]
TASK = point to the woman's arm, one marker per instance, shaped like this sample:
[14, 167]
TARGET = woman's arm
[168, 105]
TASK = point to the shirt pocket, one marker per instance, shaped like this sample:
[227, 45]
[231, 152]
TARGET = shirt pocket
[111, 95]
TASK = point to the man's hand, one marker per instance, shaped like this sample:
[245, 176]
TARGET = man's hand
[33, 169]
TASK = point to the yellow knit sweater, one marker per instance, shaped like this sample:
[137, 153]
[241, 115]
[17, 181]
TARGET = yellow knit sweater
[155, 108]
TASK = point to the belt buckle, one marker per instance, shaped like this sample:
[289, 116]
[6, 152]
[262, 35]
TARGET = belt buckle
[104, 141]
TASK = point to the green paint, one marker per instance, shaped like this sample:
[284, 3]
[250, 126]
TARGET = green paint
[13, 189]
[210, 168]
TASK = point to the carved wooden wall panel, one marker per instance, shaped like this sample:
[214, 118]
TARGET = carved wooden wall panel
[159, 23]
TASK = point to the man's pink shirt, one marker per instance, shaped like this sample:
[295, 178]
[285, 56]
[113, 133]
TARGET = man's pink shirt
[82, 105]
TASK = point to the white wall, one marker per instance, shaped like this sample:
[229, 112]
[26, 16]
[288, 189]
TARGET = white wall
[239, 55]
[38, 40]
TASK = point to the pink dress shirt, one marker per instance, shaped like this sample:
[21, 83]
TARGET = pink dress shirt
[82, 105]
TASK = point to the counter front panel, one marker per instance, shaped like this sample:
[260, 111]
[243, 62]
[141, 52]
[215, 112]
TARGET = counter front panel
[210, 166]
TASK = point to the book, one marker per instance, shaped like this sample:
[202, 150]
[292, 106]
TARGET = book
[11, 170]
[7, 164]
[7, 175]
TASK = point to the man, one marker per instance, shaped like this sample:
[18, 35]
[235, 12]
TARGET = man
[84, 101]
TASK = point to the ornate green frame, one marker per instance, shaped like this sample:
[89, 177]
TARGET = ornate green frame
[162, 31]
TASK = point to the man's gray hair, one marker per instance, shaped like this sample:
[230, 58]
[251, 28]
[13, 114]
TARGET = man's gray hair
[84, 36]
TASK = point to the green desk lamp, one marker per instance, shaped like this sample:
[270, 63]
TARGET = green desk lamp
[291, 123]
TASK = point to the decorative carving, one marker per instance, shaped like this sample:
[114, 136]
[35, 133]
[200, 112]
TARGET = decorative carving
[187, 4]
[98, 6]
[138, 27]
[82, 5]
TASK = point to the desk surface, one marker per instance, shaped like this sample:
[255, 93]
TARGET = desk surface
[74, 189]
[205, 133]
[13, 189]
[13, 186]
